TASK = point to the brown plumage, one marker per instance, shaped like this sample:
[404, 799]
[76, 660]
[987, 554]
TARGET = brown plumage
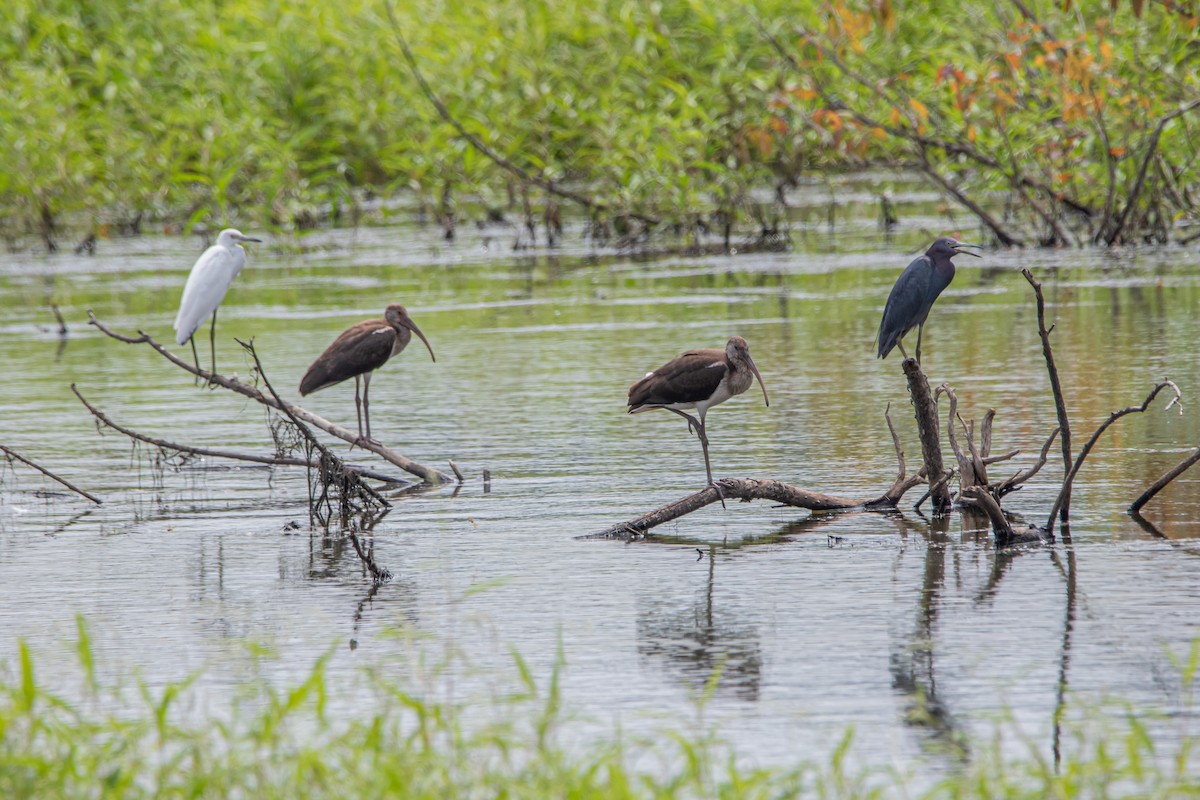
[360, 350]
[698, 379]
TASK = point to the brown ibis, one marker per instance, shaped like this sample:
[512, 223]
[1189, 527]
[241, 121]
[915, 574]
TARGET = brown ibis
[359, 351]
[698, 379]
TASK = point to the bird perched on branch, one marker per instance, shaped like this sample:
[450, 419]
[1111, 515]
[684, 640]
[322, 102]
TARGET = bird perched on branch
[205, 289]
[698, 379]
[915, 292]
[359, 351]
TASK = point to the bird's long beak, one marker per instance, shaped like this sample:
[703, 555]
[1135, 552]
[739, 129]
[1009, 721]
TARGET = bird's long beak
[249, 239]
[412, 326]
[757, 375]
[957, 251]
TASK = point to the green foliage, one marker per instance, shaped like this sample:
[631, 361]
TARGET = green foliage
[281, 111]
[284, 743]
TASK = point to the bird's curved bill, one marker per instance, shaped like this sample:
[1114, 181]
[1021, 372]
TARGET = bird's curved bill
[757, 375]
[412, 326]
[959, 251]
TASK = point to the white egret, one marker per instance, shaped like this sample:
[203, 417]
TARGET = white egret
[206, 286]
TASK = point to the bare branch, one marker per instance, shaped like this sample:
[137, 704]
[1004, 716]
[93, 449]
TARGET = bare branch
[282, 461]
[1004, 237]
[1162, 482]
[14, 454]
[427, 474]
[745, 489]
[1011, 484]
[1060, 405]
[480, 145]
[925, 410]
[326, 456]
[1151, 148]
[1113, 417]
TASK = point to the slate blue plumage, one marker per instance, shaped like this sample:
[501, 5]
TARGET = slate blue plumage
[915, 292]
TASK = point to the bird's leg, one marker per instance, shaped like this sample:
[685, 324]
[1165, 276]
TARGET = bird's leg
[367, 406]
[900, 344]
[693, 423]
[358, 413]
[363, 407]
[708, 465]
[196, 358]
[920, 330]
[212, 345]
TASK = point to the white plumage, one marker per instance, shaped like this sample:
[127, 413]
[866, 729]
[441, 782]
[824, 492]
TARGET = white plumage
[210, 278]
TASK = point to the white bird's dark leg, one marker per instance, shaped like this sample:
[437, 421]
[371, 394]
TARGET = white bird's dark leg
[196, 358]
[212, 345]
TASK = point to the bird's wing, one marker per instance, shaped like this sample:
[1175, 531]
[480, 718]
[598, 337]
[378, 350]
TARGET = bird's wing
[362, 348]
[693, 376]
[906, 305]
[205, 289]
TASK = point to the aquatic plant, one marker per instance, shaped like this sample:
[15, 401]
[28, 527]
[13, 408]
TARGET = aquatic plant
[399, 740]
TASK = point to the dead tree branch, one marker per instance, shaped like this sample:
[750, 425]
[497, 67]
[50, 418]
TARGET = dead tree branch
[1002, 529]
[490, 153]
[926, 412]
[1118, 228]
[427, 474]
[1162, 482]
[333, 470]
[1060, 405]
[747, 489]
[1065, 492]
[1004, 237]
[280, 461]
[1014, 483]
[14, 454]
[951, 147]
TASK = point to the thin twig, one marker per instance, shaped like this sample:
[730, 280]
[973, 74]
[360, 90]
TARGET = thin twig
[282, 461]
[1113, 417]
[14, 454]
[427, 474]
[304, 431]
[1162, 482]
[1060, 405]
[502, 162]
[1151, 149]
[1013, 483]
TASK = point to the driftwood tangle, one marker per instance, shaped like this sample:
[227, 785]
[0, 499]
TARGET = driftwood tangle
[971, 447]
[427, 474]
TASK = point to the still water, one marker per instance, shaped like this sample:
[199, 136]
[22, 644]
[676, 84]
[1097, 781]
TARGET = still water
[912, 631]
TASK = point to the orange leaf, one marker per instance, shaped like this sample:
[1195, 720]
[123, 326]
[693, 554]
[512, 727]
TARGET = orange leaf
[879, 133]
[1116, 152]
[802, 93]
[919, 107]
